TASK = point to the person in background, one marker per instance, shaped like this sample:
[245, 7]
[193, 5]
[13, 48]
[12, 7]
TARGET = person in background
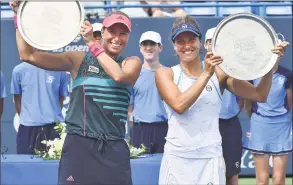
[2, 93]
[270, 132]
[38, 97]
[97, 27]
[164, 12]
[146, 107]
[229, 126]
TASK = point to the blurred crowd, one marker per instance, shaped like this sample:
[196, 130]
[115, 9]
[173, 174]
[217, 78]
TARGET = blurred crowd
[210, 9]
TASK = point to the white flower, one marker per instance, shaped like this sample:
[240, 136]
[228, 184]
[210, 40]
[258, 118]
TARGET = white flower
[58, 144]
[49, 143]
[62, 137]
[55, 146]
[51, 152]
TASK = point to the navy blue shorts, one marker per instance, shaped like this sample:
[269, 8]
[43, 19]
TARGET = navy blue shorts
[152, 135]
[29, 138]
[231, 133]
[90, 161]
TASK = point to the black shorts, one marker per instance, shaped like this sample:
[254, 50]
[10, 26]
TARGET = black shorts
[29, 138]
[152, 135]
[89, 161]
[231, 133]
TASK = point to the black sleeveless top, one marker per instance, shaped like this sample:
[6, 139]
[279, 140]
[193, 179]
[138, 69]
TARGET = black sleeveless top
[98, 105]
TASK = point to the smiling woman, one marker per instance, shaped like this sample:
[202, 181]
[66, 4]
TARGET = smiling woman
[192, 93]
[99, 101]
[193, 102]
[115, 32]
[186, 37]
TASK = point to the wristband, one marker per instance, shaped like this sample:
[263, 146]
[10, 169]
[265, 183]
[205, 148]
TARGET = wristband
[15, 22]
[96, 49]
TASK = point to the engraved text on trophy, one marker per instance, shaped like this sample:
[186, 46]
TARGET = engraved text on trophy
[246, 44]
[244, 49]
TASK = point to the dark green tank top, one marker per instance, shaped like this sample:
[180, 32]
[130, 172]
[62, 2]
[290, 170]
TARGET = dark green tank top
[98, 105]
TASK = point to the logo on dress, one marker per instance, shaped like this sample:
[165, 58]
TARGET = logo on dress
[70, 179]
[281, 80]
[50, 79]
[237, 164]
[209, 88]
[94, 69]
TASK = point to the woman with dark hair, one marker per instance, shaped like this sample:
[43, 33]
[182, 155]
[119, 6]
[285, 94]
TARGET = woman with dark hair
[193, 93]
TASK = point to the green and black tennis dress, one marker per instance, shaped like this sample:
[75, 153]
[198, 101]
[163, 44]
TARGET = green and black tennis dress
[94, 150]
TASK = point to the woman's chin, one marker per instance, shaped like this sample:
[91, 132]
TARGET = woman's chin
[187, 59]
[114, 52]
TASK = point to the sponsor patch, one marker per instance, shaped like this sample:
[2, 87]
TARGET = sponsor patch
[94, 69]
[209, 88]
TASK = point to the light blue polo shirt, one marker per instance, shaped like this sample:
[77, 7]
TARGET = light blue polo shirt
[145, 98]
[277, 98]
[230, 107]
[40, 92]
[3, 88]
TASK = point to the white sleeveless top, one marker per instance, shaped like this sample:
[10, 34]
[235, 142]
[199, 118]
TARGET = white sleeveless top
[195, 133]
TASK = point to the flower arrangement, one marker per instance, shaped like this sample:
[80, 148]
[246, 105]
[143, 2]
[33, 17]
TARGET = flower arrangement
[136, 152]
[54, 147]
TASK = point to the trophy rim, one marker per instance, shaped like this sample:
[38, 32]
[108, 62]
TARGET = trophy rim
[269, 28]
[52, 47]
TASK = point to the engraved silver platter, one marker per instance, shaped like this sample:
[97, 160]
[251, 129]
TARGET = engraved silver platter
[244, 41]
[50, 25]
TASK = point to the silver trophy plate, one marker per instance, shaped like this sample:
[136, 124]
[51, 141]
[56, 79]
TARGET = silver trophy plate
[244, 41]
[49, 25]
